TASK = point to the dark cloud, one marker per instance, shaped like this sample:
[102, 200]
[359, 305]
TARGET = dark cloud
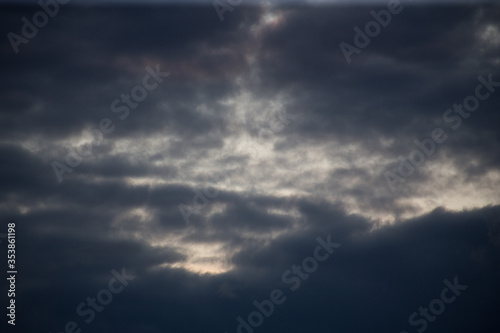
[268, 139]
[380, 275]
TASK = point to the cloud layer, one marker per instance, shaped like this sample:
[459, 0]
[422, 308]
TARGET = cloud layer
[261, 139]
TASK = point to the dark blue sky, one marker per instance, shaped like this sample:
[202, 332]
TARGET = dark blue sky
[184, 165]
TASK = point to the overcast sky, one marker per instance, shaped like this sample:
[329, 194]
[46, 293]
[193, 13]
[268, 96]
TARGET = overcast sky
[206, 151]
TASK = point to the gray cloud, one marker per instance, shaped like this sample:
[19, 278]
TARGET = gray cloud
[319, 174]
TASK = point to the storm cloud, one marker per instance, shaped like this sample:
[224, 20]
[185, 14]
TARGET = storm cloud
[211, 185]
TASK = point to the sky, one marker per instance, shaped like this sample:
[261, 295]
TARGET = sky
[250, 166]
